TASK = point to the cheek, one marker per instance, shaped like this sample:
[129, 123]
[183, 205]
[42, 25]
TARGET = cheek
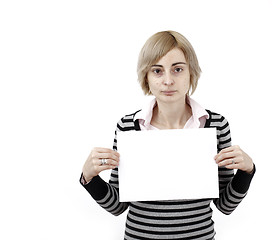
[185, 85]
[153, 84]
[187, 80]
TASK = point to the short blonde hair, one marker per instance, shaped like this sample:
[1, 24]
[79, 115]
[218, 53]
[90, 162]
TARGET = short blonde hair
[158, 46]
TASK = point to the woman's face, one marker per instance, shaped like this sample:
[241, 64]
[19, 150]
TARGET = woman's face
[169, 78]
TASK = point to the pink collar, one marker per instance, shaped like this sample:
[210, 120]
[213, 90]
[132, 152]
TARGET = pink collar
[197, 120]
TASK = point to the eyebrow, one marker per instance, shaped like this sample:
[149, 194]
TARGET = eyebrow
[174, 64]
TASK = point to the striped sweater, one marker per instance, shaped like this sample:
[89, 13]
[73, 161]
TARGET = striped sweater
[175, 219]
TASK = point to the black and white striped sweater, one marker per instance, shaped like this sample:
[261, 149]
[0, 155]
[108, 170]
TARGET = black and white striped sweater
[176, 219]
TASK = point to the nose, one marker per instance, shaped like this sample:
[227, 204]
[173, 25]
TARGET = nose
[167, 80]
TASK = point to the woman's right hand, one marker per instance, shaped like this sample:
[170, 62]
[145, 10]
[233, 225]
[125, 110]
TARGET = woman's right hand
[93, 165]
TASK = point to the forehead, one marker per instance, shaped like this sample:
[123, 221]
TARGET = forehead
[174, 55]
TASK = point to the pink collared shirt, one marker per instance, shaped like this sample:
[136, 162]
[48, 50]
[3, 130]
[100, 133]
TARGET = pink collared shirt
[197, 120]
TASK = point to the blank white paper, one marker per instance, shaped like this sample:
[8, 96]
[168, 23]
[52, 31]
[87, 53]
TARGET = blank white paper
[167, 164]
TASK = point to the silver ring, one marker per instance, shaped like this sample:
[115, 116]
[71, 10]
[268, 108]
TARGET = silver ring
[233, 162]
[104, 161]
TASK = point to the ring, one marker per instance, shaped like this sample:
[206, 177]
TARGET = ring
[103, 161]
[233, 162]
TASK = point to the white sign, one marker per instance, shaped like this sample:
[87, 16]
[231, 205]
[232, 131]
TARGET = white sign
[167, 164]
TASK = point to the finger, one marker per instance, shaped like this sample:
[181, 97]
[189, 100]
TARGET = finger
[109, 162]
[230, 161]
[225, 150]
[223, 156]
[230, 149]
[97, 157]
[110, 154]
[225, 163]
[232, 166]
[105, 150]
[105, 153]
[106, 167]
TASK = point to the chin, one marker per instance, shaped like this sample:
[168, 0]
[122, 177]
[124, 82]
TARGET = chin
[169, 99]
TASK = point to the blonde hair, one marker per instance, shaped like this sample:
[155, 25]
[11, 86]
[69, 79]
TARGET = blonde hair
[158, 46]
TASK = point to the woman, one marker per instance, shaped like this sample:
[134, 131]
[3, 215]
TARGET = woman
[168, 69]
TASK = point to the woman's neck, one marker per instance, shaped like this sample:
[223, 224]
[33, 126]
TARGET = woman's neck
[171, 115]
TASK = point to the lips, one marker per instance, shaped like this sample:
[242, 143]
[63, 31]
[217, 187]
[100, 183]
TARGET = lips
[169, 93]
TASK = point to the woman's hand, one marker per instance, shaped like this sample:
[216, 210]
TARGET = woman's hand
[93, 165]
[234, 158]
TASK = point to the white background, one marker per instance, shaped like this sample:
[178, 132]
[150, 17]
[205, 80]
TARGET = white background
[68, 74]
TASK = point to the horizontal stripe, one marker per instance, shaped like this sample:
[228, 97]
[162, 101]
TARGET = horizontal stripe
[173, 223]
[209, 235]
[169, 209]
[171, 220]
[176, 202]
[126, 127]
[169, 217]
[178, 214]
[168, 228]
[186, 234]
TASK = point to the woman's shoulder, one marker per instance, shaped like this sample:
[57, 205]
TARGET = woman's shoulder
[216, 120]
[221, 124]
[128, 122]
[130, 117]
[214, 115]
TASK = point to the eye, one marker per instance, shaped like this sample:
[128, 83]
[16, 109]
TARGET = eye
[178, 69]
[157, 71]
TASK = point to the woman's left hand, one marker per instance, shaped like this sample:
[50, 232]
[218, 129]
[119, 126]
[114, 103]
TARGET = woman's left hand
[234, 158]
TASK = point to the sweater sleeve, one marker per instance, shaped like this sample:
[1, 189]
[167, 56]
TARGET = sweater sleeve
[232, 187]
[107, 194]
